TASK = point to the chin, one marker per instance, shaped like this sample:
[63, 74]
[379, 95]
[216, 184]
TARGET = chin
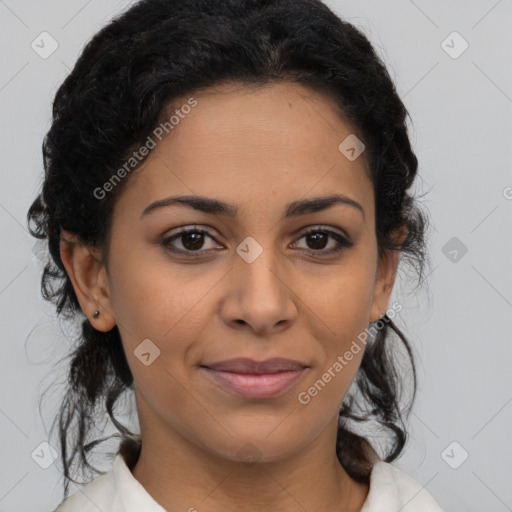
[258, 448]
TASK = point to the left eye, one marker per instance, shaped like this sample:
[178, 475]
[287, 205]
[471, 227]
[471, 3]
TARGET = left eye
[319, 237]
[192, 241]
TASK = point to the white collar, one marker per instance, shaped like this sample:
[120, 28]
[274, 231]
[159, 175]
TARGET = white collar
[119, 491]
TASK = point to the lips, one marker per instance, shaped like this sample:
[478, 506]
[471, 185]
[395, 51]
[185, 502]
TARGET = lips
[252, 379]
[249, 366]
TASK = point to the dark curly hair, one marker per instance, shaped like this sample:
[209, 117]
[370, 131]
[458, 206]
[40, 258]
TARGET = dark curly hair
[121, 86]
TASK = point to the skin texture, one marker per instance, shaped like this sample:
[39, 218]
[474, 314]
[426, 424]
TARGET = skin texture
[260, 150]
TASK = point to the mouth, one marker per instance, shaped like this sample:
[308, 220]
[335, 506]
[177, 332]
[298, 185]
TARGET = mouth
[256, 385]
[252, 379]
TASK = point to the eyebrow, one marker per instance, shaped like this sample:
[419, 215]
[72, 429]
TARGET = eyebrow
[217, 207]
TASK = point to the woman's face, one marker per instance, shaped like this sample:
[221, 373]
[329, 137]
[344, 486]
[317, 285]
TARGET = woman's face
[254, 285]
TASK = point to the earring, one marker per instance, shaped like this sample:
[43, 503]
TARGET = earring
[96, 314]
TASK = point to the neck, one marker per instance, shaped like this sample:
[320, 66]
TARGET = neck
[180, 475]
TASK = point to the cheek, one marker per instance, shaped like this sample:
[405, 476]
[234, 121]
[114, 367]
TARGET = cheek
[340, 302]
[153, 297]
[156, 300]
[338, 312]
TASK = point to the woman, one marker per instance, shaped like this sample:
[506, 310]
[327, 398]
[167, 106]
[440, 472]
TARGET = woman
[226, 201]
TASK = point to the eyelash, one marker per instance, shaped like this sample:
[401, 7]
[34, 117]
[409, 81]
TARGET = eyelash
[343, 242]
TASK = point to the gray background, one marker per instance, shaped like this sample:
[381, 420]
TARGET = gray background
[460, 326]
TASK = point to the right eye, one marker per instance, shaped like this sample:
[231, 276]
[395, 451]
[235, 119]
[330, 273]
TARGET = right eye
[191, 239]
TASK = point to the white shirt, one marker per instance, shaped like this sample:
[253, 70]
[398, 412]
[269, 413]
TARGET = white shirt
[391, 490]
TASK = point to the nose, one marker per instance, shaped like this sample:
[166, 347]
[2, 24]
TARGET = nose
[260, 296]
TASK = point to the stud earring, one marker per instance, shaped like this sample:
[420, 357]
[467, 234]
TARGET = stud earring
[96, 314]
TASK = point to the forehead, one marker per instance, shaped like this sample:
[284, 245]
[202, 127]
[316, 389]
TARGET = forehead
[253, 145]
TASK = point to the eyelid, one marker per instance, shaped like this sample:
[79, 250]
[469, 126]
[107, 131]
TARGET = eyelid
[321, 227]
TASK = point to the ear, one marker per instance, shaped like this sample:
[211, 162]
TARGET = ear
[89, 278]
[385, 277]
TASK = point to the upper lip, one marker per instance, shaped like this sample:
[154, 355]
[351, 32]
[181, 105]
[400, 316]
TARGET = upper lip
[246, 365]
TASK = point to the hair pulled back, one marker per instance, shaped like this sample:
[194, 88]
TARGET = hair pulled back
[125, 79]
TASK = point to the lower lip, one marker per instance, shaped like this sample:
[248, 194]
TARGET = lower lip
[256, 386]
